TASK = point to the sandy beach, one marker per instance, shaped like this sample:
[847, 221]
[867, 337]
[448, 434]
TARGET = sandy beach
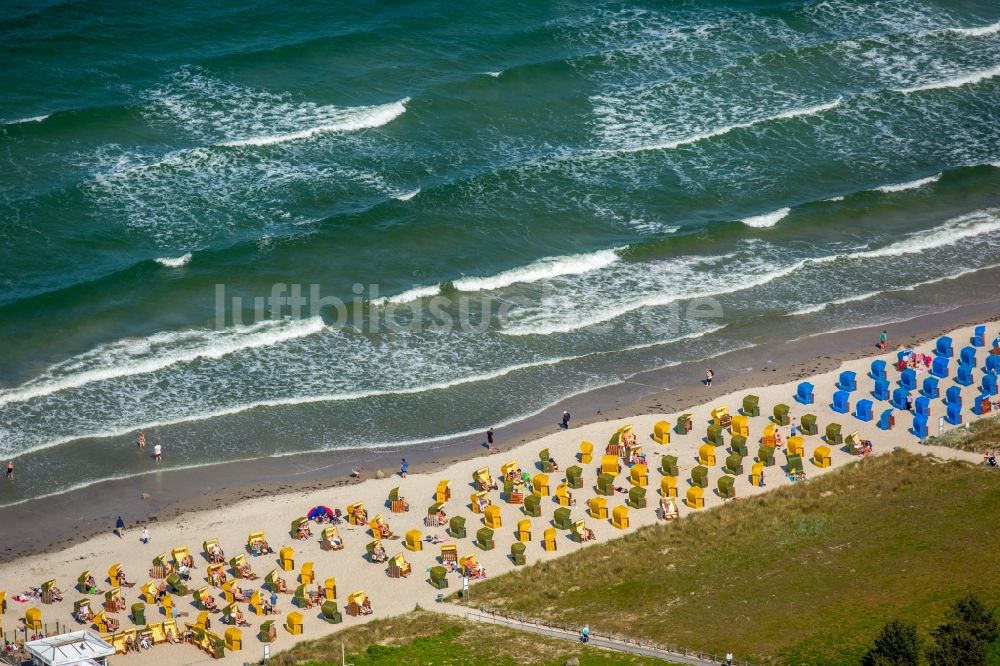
[231, 523]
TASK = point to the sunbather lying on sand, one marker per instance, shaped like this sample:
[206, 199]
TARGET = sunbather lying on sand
[120, 579]
[247, 572]
[360, 515]
[378, 554]
[366, 607]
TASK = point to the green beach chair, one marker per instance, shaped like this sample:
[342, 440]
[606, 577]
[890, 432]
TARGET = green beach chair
[795, 464]
[484, 538]
[637, 497]
[605, 485]
[668, 465]
[456, 527]
[751, 405]
[699, 476]
[331, 613]
[561, 518]
[574, 477]
[684, 424]
[781, 415]
[833, 435]
[533, 505]
[809, 426]
[714, 435]
[765, 455]
[517, 553]
[734, 464]
[738, 444]
[727, 489]
[543, 461]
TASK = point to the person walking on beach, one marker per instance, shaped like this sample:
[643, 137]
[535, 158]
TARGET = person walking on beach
[145, 536]
[157, 453]
[10, 470]
[585, 634]
[142, 440]
[565, 421]
[793, 430]
[709, 376]
[404, 467]
[489, 439]
[120, 527]
[883, 340]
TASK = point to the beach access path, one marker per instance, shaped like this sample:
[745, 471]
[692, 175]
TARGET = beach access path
[394, 596]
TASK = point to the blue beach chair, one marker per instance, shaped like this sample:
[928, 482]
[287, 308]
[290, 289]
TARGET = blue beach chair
[939, 367]
[878, 370]
[979, 336]
[863, 410]
[982, 405]
[968, 356]
[943, 347]
[954, 415]
[848, 381]
[992, 364]
[804, 394]
[899, 398]
[989, 385]
[920, 427]
[953, 394]
[881, 391]
[964, 375]
[887, 420]
[841, 402]
[922, 406]
[908, 379]
[930, 388]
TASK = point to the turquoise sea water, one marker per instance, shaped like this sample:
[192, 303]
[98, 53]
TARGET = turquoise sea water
[577, 172]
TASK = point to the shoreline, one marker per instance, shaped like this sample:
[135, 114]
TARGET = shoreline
[49, 524]
[392, 596]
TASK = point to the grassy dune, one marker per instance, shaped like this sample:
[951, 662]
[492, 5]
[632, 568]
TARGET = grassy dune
[423, 638]
[804, 574]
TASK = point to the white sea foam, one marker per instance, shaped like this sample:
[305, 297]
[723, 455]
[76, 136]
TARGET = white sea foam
[132, 357]
[954, 82]
[174, 262]
[695, 138]
[839, 301]
[911, 185]
[32, 119]
[835, 199]
[406, 196]
[979, 31]
[767, 219]
[543, 269]
[350, 120]
[495, 75]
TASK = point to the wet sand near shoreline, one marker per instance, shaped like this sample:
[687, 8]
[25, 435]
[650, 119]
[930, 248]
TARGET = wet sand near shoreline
[53, 523]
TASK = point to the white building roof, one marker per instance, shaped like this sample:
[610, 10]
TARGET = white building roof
[72, 649]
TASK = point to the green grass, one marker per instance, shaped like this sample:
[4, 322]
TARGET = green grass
[422, 638]
[978, 436]
[805, 574]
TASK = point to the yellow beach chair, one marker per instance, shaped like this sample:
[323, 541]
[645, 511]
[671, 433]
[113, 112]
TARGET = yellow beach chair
[213, 574]
[293, 623]
[721, 417]
[234, 639]
[668, 486]
[227, 591]
[355, 601]
[756, 474]
[255, 538]
[328, 538]
[796, 446]
[483, 479]
[398, 566]
[414, 540]
[661, 432]
[162, 566]
[257, 603]
[639, 475]
[479, 500]
[330, 589]
[237, 563]
[113, 572]
[770, 437]
[549, 539]
[508, 468]
[306, 575]
[598, 507]
[706, 455]
[610, 465]
[179, 554]
[563, 496]
[524, 530]
[168, 605]
[286, 558]
[208, 546]
[353, 511]
[740, 426]
[540, 485]
[104, 623]
[579, 531]
[491, 517]
[449, 553]
[274, 581]
[821, 457]
[3, 603]
[148, 592]
[619, 517]
[586, 452]
[696, 497]
[443, 491]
